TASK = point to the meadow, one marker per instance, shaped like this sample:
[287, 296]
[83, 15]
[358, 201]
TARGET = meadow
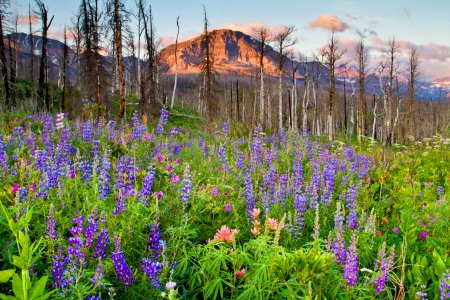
[110, 210]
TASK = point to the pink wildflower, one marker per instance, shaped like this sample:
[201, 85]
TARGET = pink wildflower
[235, 232]
[214, 191]
[223, 235]
[396, 230]
[256, 212]
[240, 273]
[273, 223]
[178, 160]
[255, 231]
[175, 179]
[423, 235]
[148, 136]
[256, 223]
[15, 188]
[228, 206]
[159, 195]
[72, 174]
[159, 158]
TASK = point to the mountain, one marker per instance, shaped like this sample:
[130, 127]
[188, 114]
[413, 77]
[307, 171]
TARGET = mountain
[234, 53]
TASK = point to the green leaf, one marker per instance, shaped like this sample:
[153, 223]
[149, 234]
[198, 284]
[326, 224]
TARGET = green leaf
[6, 275]
[17, 286]
[19, 262]
[439, 269]
[38, 288]
[45, 296]
[5, 297]
[29, 215]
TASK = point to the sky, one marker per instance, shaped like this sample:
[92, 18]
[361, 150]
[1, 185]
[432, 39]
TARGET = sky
[422, 24]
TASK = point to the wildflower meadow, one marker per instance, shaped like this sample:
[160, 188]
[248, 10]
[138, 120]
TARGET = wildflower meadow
[122, 210]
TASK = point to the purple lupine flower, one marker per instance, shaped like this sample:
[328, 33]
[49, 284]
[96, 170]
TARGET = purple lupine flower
[138, 129]
[120, 265]
[86, 131]
[98, 275]
[77, 255]
[59, 268]
[268, 185]
[444, 289]
[121, 206]
[256, 148]
[50, 230]
[351, 263]
[282, 189]
[297, 172]
[352, 218]
[439, 190]
[151, 267]
[299, 205]
[105, 176]
[3, 154]
[383, 265]
[329, 171]
[93, 298]
[164, 117]
[422, 294]
[91, 228]
[249, 194]
[86, 170]
[102, 238]
[225, 128]
[187, 187]
[147, 185]
[125, 175]
[240, 160]
[338, 243]
[222, 154]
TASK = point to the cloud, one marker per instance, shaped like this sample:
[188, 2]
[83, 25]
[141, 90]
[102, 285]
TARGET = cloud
[249, 27]
[353, 17]
[168, 40]
[329, 22]
[24, 19]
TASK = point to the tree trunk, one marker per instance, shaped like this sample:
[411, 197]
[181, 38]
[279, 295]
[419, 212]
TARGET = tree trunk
[3, 60]
[118, 41]
[12, 70]
[176, 65]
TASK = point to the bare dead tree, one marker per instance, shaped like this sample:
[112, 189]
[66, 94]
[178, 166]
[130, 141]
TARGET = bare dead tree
[12, 71]
[414, 73]
[293, 107]
[151, 76]
[283, 41]
[332, 55]
[362, 62]
[42, 12]
[95, 30]
[31, 45]
[119, 17]
[176, 65]
[264, 36]
[77, 34]
[64, 69]
[207, 69]
[305, 102]
[4, 4]
[392, 50]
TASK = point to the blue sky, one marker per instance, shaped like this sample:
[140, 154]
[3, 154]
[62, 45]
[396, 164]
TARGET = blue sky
[424, 24]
